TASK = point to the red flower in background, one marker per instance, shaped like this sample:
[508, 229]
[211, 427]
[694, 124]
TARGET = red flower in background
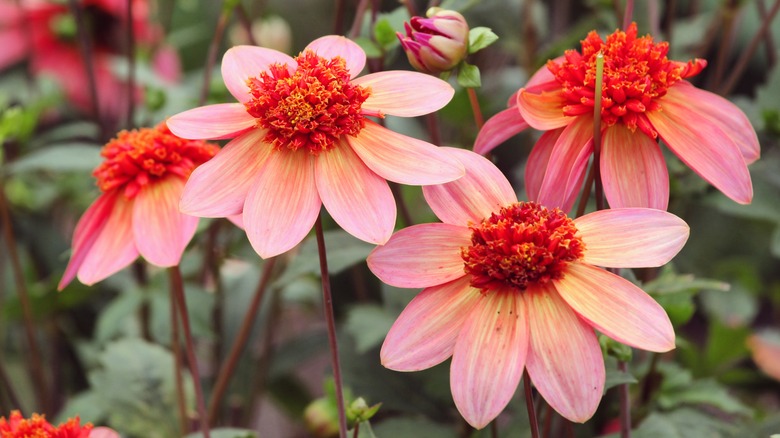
[16, 426]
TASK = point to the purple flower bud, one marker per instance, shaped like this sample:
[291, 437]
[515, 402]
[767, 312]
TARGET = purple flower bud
[438, 43]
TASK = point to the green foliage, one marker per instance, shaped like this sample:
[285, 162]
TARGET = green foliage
[468, 76]
[480, 37]
[226, 432]
[368, 325]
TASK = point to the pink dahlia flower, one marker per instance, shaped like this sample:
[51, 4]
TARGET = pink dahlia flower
[303, 139]
[512, 285]
[644, 97]
[142, 179]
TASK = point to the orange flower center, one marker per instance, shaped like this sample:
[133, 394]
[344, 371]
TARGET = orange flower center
[521, 245]
[37, 427]
[135, 158]
[309, 108]
[636, 74]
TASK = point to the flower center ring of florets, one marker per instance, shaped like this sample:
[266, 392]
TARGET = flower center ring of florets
[521, 245]
[636, 73]
[309, 108]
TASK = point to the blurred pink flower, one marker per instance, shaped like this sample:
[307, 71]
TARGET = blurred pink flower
[765, 347]
[512, 285]
[142, 179]
[303, 139]
[52, 46]
[644, 96]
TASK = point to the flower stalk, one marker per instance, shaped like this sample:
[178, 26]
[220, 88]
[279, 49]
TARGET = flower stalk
[529, 404]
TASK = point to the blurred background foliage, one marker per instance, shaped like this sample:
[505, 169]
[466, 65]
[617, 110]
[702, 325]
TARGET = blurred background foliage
[106, 349]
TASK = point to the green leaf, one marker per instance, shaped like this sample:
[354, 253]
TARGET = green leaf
[481, 37]
[615, 376]
[63, 157]
[226, 432]
[384, 33]
[679, 389]
[412, 427]
[115, 318]
[683, 423]
[368, 325]
[468, 76]
[774, 242]
[371, 48]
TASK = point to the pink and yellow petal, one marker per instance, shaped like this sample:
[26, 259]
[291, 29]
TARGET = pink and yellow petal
[564, 356]
[616, 307]
[358, 199]
[225, 120]
[282, 204]
[499, 129]
[331, 46]
[403, 159]
[633, 170]
[543, 111]
[538, 161]
[424, 334]
[161, 232]
[566, 166]
[243, 62]
[489, 356]
[631, 237]
[219, 187]
[404, 93]
[483, 190]
[114, 248]
[704, 147]
[421, 255]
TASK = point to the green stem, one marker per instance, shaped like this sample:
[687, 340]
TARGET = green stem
[599, 192]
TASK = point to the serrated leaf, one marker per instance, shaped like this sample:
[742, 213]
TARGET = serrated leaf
[368, 325]
[468, 76]
[481, 37]
[703, 392]
[115, 317]
[63, 157]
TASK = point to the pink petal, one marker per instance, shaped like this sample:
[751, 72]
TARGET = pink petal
[616, 307]
[331, 46]
[161, 231]
[633, 170]
[543, 79]
[87, 230]
[499, 129]
[631, 237]
[421, 255]
[489, 356]
[218, 187]
[103, 432]
[14, 46]
[403, 159]
[543, 111]
[483, 190]
[425, 332]
[765, 350]
[405, 93]
[357, 199]
[564, 357]
[538, 161]
[723, 113]
[282, 204]
[113, 249]
[566, 167]
[704, 147]
[243, 62]
[225, 120]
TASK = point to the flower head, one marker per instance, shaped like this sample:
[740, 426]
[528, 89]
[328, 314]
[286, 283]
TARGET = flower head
[142, 179]
[16, 426]
[303, 139]
[644, 97]
[438, 43]
[512, 285]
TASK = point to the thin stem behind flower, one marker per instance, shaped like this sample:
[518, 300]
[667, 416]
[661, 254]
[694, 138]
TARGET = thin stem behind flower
[330, 319]
[211, 58]
[85, 44]
[177, 289]
[131, 67]
[599, 192]
[529, 404]
[177, 369]
[478, 119]
[625, 404]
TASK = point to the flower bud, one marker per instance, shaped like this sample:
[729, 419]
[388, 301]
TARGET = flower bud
[438, 43]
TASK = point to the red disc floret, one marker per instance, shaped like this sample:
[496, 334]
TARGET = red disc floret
[636, 74]
[136, 158]
[311, 107]
[521, 245]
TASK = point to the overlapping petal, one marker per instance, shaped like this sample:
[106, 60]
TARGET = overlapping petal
[113, 248]
[161, 232]
[543, 111]
[538, 161]
[403, 159]
[567, 164]
[424, 334]
[331, 46]
[282, 204]
[633, 170]
[357, 198]
[631, 237]
[564, 357]
[219, 187]
[421, 255]
[243, 62]
[499, 129]
[616, 307]
[473, 197]
[704, 147]
[489, 357]
[404, 93]
[224, 120]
